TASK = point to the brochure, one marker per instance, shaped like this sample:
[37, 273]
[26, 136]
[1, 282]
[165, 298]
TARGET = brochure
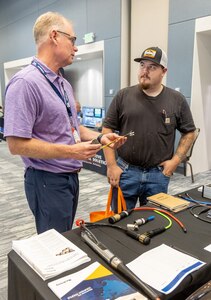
[94, 282]
[50, 253]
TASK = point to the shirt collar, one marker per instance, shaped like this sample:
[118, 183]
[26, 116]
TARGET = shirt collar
[52, 76]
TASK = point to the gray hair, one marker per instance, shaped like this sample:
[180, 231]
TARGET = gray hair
[45, 23]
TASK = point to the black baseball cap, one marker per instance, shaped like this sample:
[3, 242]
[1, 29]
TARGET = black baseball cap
[155, 55]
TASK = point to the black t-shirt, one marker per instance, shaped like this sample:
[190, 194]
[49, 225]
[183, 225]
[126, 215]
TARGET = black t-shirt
[154, 121]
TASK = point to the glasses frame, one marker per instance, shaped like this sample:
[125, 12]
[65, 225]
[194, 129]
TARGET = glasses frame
[70, 37]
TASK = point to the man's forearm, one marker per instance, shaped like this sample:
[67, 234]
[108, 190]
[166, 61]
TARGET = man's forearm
[185, 143]
[108, 152]
[37, 149]
[87, 134]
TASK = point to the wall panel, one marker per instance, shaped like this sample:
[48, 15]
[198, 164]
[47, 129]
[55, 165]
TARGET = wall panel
[112, 70]
[180, 56]
[103, 18]
[181, 10]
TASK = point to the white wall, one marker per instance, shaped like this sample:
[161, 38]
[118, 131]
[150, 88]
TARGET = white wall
[201, 94]
[86, 78]
[149, 27]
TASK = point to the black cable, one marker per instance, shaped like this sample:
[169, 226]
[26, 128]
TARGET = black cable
[90, 224]
[204, 209]
[143, 238]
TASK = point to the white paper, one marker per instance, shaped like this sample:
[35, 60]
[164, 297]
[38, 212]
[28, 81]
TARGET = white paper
[208, 248]
[45, 253]
[164, 268]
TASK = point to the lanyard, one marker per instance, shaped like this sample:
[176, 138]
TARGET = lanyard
[64, 98]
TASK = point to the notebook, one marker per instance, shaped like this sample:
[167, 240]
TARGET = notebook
[169, 202]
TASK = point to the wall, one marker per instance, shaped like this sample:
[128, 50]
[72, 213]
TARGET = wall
[18, 16]
[149, 27]
[181, 41]
[182, 16]
[201, 93]
[86, 78]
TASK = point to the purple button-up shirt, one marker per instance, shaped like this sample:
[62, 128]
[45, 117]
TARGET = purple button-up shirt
[34, 110]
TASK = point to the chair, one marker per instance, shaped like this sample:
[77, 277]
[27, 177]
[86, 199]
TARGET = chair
[185, 161]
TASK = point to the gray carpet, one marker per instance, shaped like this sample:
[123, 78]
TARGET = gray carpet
[16, 220]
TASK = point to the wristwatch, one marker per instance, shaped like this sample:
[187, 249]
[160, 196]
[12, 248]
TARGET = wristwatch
[99, 138]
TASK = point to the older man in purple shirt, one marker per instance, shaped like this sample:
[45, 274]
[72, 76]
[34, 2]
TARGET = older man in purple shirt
[41, 125]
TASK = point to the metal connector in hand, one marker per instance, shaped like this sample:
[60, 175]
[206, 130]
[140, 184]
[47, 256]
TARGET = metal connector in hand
[131, 133]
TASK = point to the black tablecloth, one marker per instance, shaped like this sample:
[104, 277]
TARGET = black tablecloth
[25, 284]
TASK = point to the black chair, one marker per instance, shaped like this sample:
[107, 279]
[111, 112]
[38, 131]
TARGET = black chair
[185, 161]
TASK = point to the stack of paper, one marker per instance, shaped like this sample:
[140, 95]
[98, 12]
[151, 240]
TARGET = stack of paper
[164, 267]
[50, 253]
[169, 202]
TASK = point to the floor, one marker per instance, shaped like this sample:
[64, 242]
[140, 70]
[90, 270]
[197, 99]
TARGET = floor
[16, 220]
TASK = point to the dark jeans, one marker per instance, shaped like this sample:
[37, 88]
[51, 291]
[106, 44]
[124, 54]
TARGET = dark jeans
[53, 198]
[138, 183]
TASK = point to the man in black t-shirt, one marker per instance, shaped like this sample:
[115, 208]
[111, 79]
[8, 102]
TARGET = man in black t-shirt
[154, 112]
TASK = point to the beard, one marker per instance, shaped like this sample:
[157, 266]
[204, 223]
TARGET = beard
[143, 84]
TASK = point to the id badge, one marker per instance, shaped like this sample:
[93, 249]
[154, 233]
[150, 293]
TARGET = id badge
[76, 135]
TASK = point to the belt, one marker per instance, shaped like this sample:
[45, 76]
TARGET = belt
[64, 173]
[75, 171]
[137, 166]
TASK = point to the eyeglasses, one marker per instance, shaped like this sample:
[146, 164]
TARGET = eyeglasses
[71, 38]
[149, 67]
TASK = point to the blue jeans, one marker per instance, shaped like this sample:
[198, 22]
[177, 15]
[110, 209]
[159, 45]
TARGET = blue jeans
[138, 183]
[52, 198]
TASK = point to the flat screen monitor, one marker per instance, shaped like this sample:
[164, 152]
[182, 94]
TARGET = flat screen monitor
[93, 116]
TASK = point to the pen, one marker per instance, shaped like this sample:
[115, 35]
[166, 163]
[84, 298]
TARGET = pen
[131, 133]
[164, 113]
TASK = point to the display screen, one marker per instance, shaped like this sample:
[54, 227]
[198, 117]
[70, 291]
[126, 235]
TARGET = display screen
[93, 116]
[98, 112]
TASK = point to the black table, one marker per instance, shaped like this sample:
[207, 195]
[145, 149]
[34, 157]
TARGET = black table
[25, 284]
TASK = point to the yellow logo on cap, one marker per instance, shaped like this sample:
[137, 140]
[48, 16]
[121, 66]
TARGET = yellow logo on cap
[149, 53]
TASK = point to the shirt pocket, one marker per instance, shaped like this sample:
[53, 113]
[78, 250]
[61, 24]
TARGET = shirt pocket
[167, 125]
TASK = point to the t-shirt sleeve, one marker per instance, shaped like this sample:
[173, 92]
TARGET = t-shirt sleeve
[20, 109]
[185, 122]
[112, 117]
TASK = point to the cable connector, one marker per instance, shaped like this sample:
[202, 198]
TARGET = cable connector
[143, 221]
[154, 232]
[142, 238]
[118, 217]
